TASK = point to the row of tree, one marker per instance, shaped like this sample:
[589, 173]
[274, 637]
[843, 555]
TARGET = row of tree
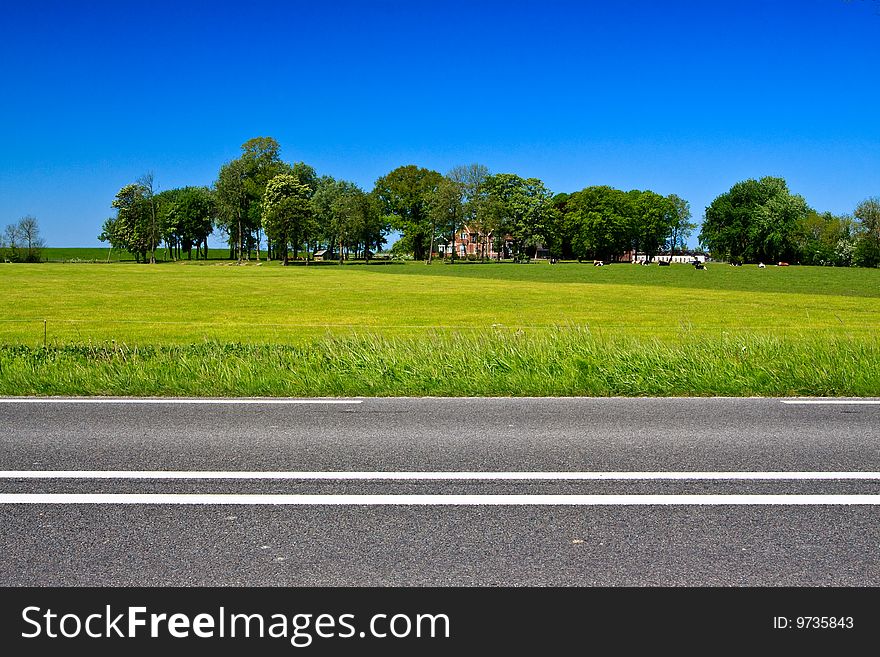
[603, 222]
[181, 218]
[258, 199]
[762, 221]
[21, 241]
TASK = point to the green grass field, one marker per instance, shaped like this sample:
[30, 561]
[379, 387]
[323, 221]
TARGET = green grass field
[105, 254]
[174, 328]
[180, 303]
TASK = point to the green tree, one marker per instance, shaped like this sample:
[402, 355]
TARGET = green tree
[323, 210]
[597, 223]
[187, 217]
[170, 232]
[153, 228]
[470, 179]
[757, 220]
[306, 175]
[519, 208]
[681, 226]
[557, 238]
[826, 239]
[349, 221]
[377, 226]
[111, 234]
[261, 160]
[354, 213]
[650, 220]
[240, 186]
[133, 229]
[404, 196]
[446, 211]
[261, 153]
[231, 193]
[867, 247]
[287, 213]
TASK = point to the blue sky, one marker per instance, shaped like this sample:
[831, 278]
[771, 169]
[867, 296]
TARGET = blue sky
[676, 96]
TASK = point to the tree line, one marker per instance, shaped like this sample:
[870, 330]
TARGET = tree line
[257, 199]
[762, 221]
[272, 209]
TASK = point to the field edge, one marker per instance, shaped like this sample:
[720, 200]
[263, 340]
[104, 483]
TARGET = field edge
[569, 363]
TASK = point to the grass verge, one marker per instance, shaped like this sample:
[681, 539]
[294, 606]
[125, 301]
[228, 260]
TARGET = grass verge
[572, 362]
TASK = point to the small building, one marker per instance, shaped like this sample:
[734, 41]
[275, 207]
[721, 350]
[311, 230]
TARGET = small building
[323, 254]
[685, 258]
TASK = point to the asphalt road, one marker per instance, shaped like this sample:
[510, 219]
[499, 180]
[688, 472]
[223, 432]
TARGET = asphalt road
[517, 526]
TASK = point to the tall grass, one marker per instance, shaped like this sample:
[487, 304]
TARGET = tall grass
[496, 363]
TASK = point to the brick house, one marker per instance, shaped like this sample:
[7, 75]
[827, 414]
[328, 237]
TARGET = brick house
[471, 242]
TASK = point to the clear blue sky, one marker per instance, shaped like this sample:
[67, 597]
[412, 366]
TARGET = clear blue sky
[675, 96]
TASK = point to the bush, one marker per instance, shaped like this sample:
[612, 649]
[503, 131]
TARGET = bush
[867, 252]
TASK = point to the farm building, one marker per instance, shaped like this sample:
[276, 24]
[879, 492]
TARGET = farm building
[686, 258]
[472, 242]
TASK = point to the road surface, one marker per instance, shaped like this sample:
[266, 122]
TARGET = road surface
[414, 492]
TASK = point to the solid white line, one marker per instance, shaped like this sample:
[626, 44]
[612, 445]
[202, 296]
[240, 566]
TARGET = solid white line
[817, 402]
[92, 400]
[435, 500]
[437, 476]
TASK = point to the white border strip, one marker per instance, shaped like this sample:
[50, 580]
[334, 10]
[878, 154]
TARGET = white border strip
[273, 400]
[823, 402]
[438, 476]
[436, 500]
[157, 400]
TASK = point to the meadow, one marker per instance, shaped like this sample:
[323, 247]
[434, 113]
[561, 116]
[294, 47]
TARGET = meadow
[103, 254]
[218, 328]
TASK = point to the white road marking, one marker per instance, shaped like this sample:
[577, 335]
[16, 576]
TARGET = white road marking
[158, 400]
[92, 400]
[438, 476]
[816, 402]
[434, 500]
